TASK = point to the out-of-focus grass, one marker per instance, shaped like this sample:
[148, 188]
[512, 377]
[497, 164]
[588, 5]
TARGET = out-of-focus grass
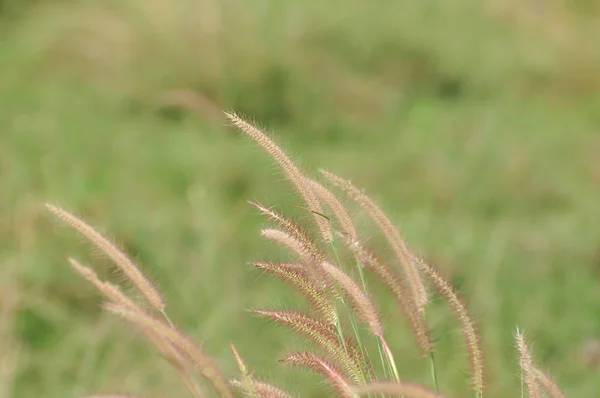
[476, 127]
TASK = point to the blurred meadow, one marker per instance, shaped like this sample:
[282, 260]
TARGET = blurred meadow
[475, 124]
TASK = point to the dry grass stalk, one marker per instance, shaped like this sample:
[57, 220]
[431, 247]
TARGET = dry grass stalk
[333, 375]
[299, 235]
[240, 362]
[549, 385]
[324, 335]
[286, 240]
[467, 325]
[251, 386]
[392, 281]
[316, 279]
[310, 252]
[129, 269]
[246, 376]
[299, 280]
[405, 390]
[203, 364]
[365, 256]
[113, 294]
[290, 169]
[391, 233]
[358, 298]
[173, 356]
[259, 389]
[528, 374]
[339, 211]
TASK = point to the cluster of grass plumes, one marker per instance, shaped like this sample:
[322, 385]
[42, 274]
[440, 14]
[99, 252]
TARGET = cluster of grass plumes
[341, 315]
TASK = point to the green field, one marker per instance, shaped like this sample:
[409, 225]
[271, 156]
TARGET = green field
[476, 126]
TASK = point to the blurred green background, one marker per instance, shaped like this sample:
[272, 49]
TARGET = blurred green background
[476, 125]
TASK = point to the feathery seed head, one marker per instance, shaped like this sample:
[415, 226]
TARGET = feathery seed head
[298, 278]
[359, 300]
[528, 373]
[294, 230]
[129, 269]
[115, 295]
[392, 281]
[239, 360]
[289, 168]
[287, 240]
[324, 335]
[109, 291]
[340, 212]
[334, 376]
[549, 385]
[203, 364]
[467, 325]
[391, 233]
[258, 389]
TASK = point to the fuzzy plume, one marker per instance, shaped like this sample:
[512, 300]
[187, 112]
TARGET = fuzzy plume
[289, 168]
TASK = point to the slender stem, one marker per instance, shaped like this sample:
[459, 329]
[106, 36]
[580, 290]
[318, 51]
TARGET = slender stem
[434, 372]
[164, 314]
[352, 319]
[383, 362]
[190, 383]
[390, 358]
[362, 275]
[364, 352]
